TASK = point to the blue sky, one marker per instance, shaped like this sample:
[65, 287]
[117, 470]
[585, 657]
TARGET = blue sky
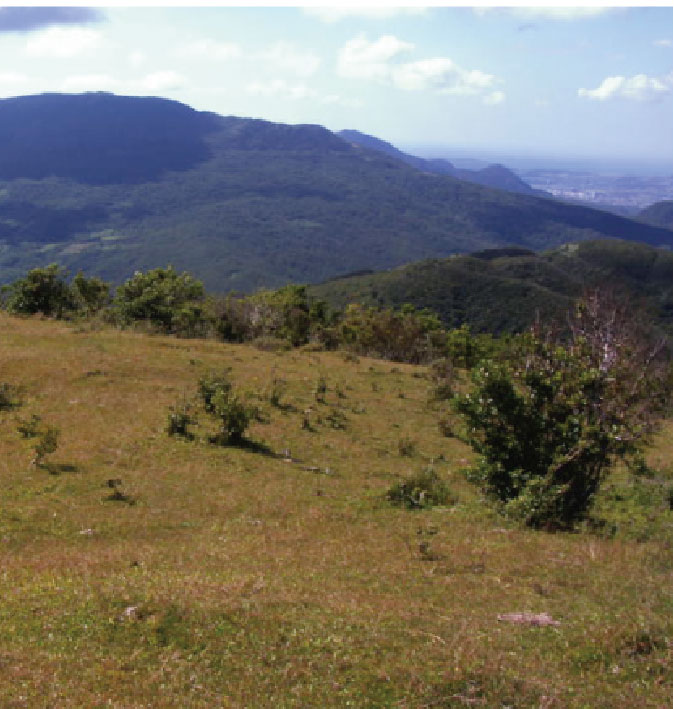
[591, 81]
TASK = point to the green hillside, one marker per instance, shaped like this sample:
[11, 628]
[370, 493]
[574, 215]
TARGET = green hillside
[502, 290]
[143, 570]
[241, 203]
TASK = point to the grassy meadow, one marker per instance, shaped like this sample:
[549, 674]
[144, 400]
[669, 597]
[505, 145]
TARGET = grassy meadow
[277, 574]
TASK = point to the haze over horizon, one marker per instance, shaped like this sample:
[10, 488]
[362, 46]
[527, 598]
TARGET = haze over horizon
[589, 83]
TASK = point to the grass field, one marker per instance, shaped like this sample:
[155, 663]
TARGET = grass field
[277, 574]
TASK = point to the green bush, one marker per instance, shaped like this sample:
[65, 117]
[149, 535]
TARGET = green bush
[41, 290]
[419, 491]
[169, 301]
[547, 422]
[231, 414]
[180, 418]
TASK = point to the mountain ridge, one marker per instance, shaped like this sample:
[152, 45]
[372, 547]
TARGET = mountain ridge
[255, 204]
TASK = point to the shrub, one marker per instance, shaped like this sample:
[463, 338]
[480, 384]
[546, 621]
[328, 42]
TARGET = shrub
[89, 295]
[180, 417]
[219, 400]
[166, 299]
[548, 422]
[422, 490]
[8, 396]
[42, 290]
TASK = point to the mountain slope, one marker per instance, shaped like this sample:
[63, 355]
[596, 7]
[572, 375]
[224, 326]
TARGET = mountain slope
[657, 214]
[242, 203]
[504, 289]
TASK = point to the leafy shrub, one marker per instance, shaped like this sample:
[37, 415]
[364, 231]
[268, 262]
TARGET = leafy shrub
[548, 422]
[180, 418]
[211, 384]
[166, 299]
[219, 400]
[419, 491]
[47, 437]
[233, 418]
[405, 335]
[89, 295]
[41, 290]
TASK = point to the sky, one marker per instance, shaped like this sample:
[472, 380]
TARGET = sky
[587, 82]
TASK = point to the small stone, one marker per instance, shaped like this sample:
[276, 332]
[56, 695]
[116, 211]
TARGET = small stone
[536, 619]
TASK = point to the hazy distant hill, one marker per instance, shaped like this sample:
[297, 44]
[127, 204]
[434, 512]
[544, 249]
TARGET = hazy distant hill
[112, 184]
[503, 289]
[497, 176]
[658, 214]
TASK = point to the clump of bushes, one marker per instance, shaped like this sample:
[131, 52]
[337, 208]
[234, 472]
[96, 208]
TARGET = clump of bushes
[47, 291]
[421, 490]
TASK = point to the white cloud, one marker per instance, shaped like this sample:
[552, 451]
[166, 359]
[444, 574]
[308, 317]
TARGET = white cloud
[379, 61]
[63, 42]
[12, 77]
[153, 83]
[360, 59]
[280, 87]
[635, 88]
[663, 43]
[162, 81]
[440, 74]
[545, 12]
[284, 56]
[335, 14]
[494, 98]
[209, 49]
[136, 58]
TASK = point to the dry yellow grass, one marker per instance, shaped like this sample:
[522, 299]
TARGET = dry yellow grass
[239, 578]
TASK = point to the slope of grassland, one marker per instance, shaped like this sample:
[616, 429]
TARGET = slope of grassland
[277, 575]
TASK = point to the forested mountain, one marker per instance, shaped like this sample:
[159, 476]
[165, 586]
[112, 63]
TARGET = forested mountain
[496, 175]
[502, 290]
[112, 184]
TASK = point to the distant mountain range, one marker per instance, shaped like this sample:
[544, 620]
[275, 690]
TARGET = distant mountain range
[503, 290]
[495, 175]
[114, 184]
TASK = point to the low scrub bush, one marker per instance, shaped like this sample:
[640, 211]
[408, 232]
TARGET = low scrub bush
[421, 490]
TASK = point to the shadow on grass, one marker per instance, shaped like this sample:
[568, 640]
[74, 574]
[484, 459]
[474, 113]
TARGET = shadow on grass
[58, 468]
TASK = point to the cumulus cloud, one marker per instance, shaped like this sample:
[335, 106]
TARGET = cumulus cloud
[379, 61]
[61, 42]
[284, 56]
[635, 88]
[360, 59]
[335, 14]
[154, 82]
[29, 19]
[210, 49]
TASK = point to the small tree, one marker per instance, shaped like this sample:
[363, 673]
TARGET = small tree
[548, 421]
